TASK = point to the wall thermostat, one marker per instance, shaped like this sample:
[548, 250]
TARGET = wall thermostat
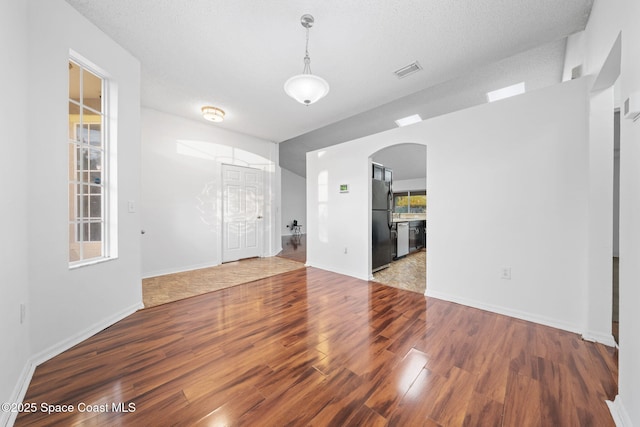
[632, 106]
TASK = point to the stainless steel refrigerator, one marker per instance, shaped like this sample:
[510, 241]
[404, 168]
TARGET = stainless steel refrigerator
[381, 217]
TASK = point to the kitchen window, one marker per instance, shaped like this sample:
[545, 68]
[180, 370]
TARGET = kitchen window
[88, 152]
[410, 202]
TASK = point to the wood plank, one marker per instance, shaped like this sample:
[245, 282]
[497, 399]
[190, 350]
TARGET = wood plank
[384, 399]
[310, 347]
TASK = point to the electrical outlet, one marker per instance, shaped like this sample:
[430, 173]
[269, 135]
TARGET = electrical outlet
[345, 250]
[505, 273]
[131, 206]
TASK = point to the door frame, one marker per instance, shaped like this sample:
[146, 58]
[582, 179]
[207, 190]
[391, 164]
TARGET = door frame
[260, 233]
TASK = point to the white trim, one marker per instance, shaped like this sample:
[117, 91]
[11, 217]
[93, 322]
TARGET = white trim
[108, 218]
[167, 271]
[76, 339]
[605, 339]
[20, 390]
[619, 413]
[530, 317]
[337, 271]
[8, 419]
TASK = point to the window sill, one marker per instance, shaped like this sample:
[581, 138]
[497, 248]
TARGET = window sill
[79, 264]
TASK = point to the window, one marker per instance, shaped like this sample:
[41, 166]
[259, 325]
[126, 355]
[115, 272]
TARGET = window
[410, 202]
[506, 92]
[88, 158]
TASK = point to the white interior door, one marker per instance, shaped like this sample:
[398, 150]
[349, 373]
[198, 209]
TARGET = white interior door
[242, 213]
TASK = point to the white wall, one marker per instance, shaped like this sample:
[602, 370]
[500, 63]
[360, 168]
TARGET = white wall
[409, 184]
[294, 201]
[13, 209]
[181, 188]
[607, 20]
[65, 305]
[507, 185]
[600, 210]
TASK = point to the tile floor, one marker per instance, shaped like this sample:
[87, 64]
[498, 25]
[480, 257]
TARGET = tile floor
[172, 287]
[408, 273]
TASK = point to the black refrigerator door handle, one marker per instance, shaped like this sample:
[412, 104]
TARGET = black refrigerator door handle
[390, 208]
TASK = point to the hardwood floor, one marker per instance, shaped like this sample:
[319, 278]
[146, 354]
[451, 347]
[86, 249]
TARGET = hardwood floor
[294, 247]
[310, 347]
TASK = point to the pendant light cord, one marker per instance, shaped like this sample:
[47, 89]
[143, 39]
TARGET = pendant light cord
[307, 59]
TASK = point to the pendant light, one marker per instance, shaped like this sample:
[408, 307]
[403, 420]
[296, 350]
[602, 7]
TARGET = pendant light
[306, 88]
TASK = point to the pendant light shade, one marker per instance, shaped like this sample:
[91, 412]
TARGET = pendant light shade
[306, 88]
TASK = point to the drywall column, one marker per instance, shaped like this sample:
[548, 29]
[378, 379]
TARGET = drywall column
[606, 21]
[13, 211]
[600, 250]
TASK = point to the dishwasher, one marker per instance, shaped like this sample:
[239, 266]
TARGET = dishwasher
[403, 239]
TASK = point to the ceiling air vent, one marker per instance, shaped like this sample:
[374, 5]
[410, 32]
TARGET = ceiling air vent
[408, 69]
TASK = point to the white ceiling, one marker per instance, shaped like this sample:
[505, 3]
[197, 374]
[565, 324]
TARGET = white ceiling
[236, 55]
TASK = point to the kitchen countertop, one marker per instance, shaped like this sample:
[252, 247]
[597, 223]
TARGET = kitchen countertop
[409, 218]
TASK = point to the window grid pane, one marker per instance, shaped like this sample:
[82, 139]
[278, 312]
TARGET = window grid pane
[87, 191]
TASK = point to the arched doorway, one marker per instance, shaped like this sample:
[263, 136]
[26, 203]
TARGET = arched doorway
[407, 223]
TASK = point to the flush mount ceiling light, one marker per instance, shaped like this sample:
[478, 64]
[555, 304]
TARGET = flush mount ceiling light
[306, 88]
[213, 114]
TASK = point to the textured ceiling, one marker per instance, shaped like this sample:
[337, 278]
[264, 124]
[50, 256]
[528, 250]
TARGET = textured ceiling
[237, 54]
[539, 67]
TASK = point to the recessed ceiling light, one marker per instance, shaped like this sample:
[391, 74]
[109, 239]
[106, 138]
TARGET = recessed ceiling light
[506, 92]
[409, 120]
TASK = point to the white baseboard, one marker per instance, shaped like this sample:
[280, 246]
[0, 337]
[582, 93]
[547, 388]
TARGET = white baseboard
[619, 413]
[337, 271]
[530, 317]
[65, 345]
[606, 339]
[167, 271]
[8, 418]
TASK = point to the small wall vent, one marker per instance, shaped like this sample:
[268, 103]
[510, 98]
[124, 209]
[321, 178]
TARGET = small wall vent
[414, 67]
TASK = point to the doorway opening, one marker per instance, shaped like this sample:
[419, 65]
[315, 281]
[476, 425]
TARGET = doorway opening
[407, 216]
[615, 325]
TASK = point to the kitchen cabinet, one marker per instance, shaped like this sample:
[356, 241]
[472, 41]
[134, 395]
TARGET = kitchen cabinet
[416, 235]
